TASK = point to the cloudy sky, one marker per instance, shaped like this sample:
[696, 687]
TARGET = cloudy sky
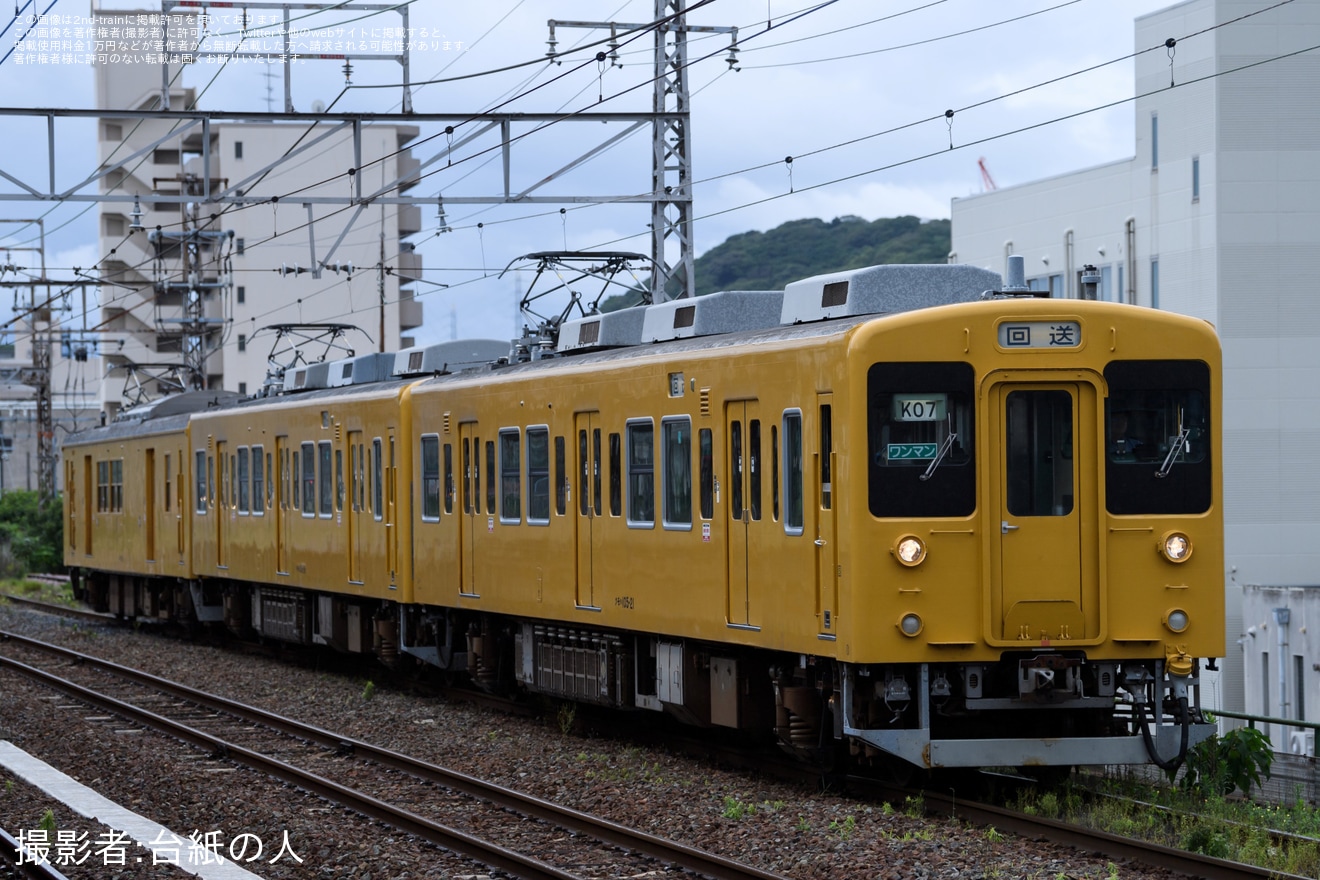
[854, 90]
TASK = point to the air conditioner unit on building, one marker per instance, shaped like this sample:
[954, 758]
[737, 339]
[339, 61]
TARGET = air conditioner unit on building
[1301, 742]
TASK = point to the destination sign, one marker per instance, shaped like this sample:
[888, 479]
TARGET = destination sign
[920, 407]
[1040, 334]
[912, 451]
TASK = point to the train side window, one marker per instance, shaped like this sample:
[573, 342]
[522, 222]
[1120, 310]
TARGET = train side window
[561, 481]
[705, 449]
[270, 482]
[339, 479]
[676, 473]
[431, 478]
[354, 477]
[258, 481]
[754, 468]
[449, 478]
[199, 481]
[361, 481]
[596, 473]
[1158, 423]
[378, 481]
[641, 473]
[736, 468]
[102, 486]
[243, 475]
[117, 486]
[774, 472]
[584, 474]
[490, 477]
[326, 495]
[826, 456]
[168, 484]
[309, 479]
[616, 475]
[538, 475]
[510, 476]
[467, 474]
[230, 482]
[295, 479]
[793, 506]
[210, 480]
[921, 439]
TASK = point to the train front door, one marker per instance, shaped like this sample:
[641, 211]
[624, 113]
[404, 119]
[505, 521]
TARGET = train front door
[746, 446]
[588, 469]
[1044, 550]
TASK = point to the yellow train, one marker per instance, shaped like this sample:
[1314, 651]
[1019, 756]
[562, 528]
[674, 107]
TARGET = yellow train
[889, 510]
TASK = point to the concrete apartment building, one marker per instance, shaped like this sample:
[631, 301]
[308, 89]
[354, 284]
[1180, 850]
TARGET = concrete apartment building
[145, 311]
[1218, 216]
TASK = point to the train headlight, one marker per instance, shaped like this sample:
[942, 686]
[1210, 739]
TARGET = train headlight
[910, 550]
[910, 625]
[1176, 547]
[1176, 620]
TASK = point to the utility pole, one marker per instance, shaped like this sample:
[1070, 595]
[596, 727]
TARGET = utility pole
[671, 158]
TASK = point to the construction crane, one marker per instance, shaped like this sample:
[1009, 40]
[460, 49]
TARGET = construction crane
[987, 182]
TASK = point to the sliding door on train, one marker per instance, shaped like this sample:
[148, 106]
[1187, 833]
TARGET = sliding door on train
[473, 517]
[589, 468]
[746, 444]
[1045, 567]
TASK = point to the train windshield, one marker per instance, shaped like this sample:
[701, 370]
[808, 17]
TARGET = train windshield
[920, 430]
[1157, 437]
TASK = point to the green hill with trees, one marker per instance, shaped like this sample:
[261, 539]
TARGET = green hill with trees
[802, 248]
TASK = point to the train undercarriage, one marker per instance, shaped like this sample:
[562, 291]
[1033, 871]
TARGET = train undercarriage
[1042, 708]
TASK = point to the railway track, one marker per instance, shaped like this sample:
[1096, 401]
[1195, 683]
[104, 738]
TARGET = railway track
[270, 744]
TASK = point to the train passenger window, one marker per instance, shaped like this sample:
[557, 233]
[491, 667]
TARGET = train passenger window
[378, 481]
[309, 479]
[754, 468]
[102, 486]
[326, 494]
[538, 475]
[584, 474]
[490, 478]
[641, 473]
[270, 482]
[774, 472]
[339, 479]
[793, 519]
[467, 475]
[920, 438]
[360, 480]
[258, 481]
[736, 467]
[561, 481]
[676, 476]
[229, 481]
[1157, 422]
[449, 478]
[244, 477]
[168, 484]
[596, 469]
[199, 481]
[294, 479]
[510, 477]
[826, 450]
[707, 476]
[616, 475]
[431, 478]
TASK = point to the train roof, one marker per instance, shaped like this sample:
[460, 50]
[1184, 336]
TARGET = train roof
[161, 416]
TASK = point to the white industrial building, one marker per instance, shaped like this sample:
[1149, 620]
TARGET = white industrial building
[253, 265]
[1218, 216]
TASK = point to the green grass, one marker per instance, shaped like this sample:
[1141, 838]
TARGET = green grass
[41, 591]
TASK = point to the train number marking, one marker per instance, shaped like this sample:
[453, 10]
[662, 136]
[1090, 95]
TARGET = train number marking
[625, 602]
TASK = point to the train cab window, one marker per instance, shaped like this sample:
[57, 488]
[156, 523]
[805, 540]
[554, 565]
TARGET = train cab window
[259, 467]
[1157, 437]
[309, 479]
[243, 476]
[793, 507]
[490, 478]
[199, 481]
[510, 477]
[706, 457]
[616, 475]
[377, 481]
[449, 478]
[920, 433]
[676, 476]
[431, 478]
[641, 473]
[538, 475]
[561, 481]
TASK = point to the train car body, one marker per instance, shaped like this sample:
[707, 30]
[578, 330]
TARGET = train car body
[889, 516]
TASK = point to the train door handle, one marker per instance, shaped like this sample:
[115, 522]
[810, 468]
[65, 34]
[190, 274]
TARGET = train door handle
[1005, 527]
[820, 542]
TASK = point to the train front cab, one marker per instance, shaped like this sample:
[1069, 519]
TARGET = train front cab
[1048, 573]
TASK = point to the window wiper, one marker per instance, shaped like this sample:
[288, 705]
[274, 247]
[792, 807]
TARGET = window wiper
[1179, 443]
[939, 456]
